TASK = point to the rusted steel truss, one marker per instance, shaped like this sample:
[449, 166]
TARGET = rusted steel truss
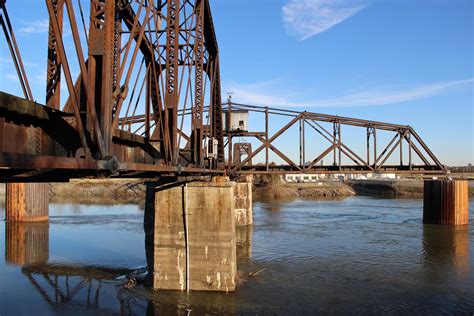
[135, 57]
[147, 102]
[413, 155]
[328, 129]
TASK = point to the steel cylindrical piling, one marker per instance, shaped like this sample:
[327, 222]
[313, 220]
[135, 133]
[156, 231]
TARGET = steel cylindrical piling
[445, 202]
[27, 202]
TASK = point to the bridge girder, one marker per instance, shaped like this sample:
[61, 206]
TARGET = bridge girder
[150, 57]
[148, 99]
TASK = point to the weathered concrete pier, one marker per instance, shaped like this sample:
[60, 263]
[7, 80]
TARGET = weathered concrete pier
[243, 201]
[446, 202]
[190, 230]
[191, 235]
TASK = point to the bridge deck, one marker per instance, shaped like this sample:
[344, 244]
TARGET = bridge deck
[38, 142]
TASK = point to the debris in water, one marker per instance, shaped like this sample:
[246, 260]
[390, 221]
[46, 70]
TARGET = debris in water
[254, 274]
[131, 283]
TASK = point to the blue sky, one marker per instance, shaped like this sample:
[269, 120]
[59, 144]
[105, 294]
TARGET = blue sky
[408, 62]
[401, 61]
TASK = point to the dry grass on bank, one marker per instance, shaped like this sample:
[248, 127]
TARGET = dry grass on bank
[283, 190]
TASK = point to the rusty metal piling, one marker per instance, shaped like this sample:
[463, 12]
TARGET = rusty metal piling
[446, 202]
[27, 202]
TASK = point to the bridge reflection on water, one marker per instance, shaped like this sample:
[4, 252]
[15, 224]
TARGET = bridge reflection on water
[64, 286]
[314, 255]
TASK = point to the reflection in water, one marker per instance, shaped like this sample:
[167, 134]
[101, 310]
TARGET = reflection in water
[77, 285]
[89, 288]
[446, 247]
[156, 309]
[77, 288]
[191, 304]
[274, 205]
[314, 257]
[26, 243]
[244, 243]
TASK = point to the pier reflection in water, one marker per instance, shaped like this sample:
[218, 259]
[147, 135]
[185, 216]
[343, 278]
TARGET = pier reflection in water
[26, 243]
[446, 251]
[316, 256]
[63, 284]
[69, 287]
[243, 242]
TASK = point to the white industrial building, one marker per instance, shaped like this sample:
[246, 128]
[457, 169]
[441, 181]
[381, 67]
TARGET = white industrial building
[239, 120]
[303, 177]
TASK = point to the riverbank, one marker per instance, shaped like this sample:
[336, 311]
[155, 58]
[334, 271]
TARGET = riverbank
[122, 191]
[94, 191]
[286, 190]
[394, 188]
[133, 191]
[100, 191]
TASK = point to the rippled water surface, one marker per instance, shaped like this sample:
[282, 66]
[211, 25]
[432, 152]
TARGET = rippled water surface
[354, 256]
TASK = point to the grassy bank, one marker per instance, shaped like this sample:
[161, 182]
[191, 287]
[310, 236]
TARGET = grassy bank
[102, 192]
[285, 190]
[117, 191]
[106, 191]
[402, 188]
[120, 191]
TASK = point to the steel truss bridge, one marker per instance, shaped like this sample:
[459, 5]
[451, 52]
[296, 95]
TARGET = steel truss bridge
[147, 102]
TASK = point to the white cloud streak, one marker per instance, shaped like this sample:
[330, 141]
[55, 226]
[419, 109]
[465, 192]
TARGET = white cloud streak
[12, 78]
[35, 27]
[266, 94]
[306, 18]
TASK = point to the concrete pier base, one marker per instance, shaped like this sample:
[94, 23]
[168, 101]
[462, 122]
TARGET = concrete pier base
[190, 236]
[27, 202]
[445, 202]
[243, 204]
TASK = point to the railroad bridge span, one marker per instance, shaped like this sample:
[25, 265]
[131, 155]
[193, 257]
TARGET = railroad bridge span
[147, 103]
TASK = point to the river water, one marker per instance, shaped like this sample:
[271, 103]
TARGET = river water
[352, 256]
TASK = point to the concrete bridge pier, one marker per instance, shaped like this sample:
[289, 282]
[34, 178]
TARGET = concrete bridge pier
[445, 202]
[243, 201]
[27, 202]
[190, 236]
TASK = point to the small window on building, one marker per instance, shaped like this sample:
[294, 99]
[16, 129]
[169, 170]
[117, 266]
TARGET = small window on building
[241, 123]
[306, 178]
[314, 178]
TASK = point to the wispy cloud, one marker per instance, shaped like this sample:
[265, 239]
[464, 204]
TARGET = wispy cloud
[266, 94]
[34, 27]
[11, 77]
[4, 60]
[9, 62]
[306, 18]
